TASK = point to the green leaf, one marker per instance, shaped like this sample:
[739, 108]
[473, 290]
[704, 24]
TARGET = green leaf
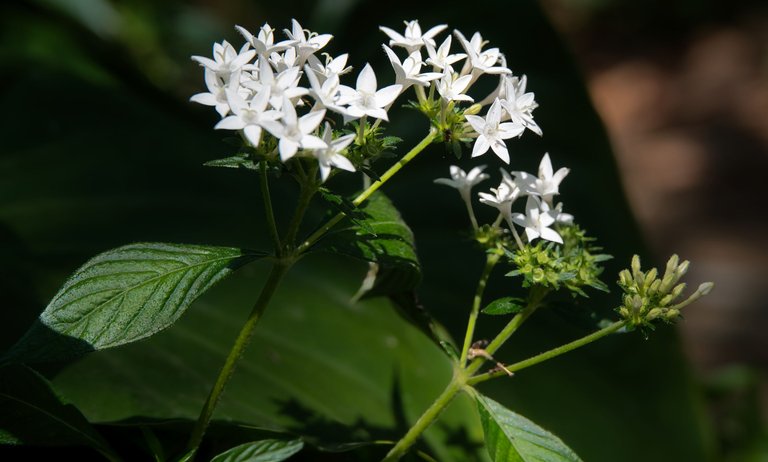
[510, 437]
[384, 239]
[261, 451]
[124, 295]
[33, 414]
[505, 305]
[236, 161]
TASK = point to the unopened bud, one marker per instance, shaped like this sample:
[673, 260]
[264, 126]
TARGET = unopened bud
[654, 288]
[654, 313]
[672, 263]
[671, 314]
[637, 303]
[625, 278]
[635, 265]
[474, 109]
[650, 276]
[682, 269]
[705, 288]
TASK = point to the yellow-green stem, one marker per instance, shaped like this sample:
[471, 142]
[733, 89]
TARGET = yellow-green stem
[491, 259]
[549, 354]
[426, 419]
[279, 269]
[370, 190]
[271, 223]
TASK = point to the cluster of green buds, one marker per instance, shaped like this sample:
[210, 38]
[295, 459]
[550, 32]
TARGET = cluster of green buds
[648, 298]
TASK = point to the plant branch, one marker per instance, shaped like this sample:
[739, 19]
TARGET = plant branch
[549, 354]
[491, 259]
[271, 223]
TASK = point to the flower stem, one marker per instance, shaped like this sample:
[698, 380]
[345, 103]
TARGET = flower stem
[549, 354]
[410, 155]
[426, 419]
[271, 223]
[279, 269]
[491, 259]
[534, 301]
[305, 196]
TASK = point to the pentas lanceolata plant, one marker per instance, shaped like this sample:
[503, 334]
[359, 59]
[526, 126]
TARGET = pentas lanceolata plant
[306, 115]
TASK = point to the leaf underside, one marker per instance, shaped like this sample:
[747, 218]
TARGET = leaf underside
[261, 451]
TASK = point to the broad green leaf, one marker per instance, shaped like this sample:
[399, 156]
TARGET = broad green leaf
[378, 234]
[505, 305]
[510, 437]
[261, 451]
[32, 414]
[124, 295]
[237, 161]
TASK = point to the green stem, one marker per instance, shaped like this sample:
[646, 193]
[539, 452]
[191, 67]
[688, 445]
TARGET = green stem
[271, 223]
[426, 419]
[549, 354]
[491, 259]
[534, 302]
[370, 190]
[307, 191]
[279, 269]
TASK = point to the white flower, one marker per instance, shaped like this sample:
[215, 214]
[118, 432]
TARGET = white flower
[480, 61]
[452, 88]
[327, 94]
[333, 66]
[226, 60]
[561, 217]
[407, 73]
[365, 99]
[464, 181]
[295, 132]
[285, 84]
[492, 133]
[249, 117]
[264, 43]
[442, 57]
[285, 60]
[502, 199]
[331, 156]
[413, 39]
[306, 44]
[546, 184]
[217, 92]
[519, 104]
[536, 221]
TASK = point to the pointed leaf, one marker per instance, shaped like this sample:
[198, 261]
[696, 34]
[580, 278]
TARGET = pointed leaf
[385, 239]
[505, 305]
[33, 414]
[124, 295]
[236, 161]
[510, 437]
[261, 451]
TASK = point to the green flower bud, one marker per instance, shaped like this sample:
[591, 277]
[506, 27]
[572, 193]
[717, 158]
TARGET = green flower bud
[654, 313]
[705, 288]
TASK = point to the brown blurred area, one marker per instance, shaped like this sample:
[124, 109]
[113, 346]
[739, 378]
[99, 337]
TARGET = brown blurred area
[682, 88]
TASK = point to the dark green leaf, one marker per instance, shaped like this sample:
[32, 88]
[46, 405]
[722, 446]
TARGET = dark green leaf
[505, 305]
[349, 209]
[385, 239]
[261, 451]
[32, 414]
[237, 161]
[510, 437]
[124, 295]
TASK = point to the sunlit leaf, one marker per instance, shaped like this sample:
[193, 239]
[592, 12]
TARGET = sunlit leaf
[261, 451]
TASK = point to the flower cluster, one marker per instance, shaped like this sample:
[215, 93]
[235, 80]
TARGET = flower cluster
[277, 93]
[540, 212]
[648, 298]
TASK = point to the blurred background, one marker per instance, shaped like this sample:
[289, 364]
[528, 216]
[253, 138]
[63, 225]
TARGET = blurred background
[681, 88]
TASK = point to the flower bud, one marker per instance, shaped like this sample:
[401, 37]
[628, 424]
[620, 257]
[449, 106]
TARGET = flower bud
[654, 288]
[474, 109]
[672, 314]
[705, 288]
[682, 269]
[635, 266]
[654, 313]
[625, 278]
[672, 263]
[650, 276]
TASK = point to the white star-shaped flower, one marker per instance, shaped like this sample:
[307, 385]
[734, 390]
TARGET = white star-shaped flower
[217, 92]
[249, 117]
[562, 217]
[331, 156]
[502, 199]
[517, 103]
[306, 44]
[492, 133]
[412, 39]
[264, 42]
[333, 66]
[327, 94]
[547, 184]
[408, 73]
[226, 60]
[464, 181]
[365, 99]
[284, 84]
[442, 57]
[296, 132]
[480, 61]
[452, 88]
[537, 221]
